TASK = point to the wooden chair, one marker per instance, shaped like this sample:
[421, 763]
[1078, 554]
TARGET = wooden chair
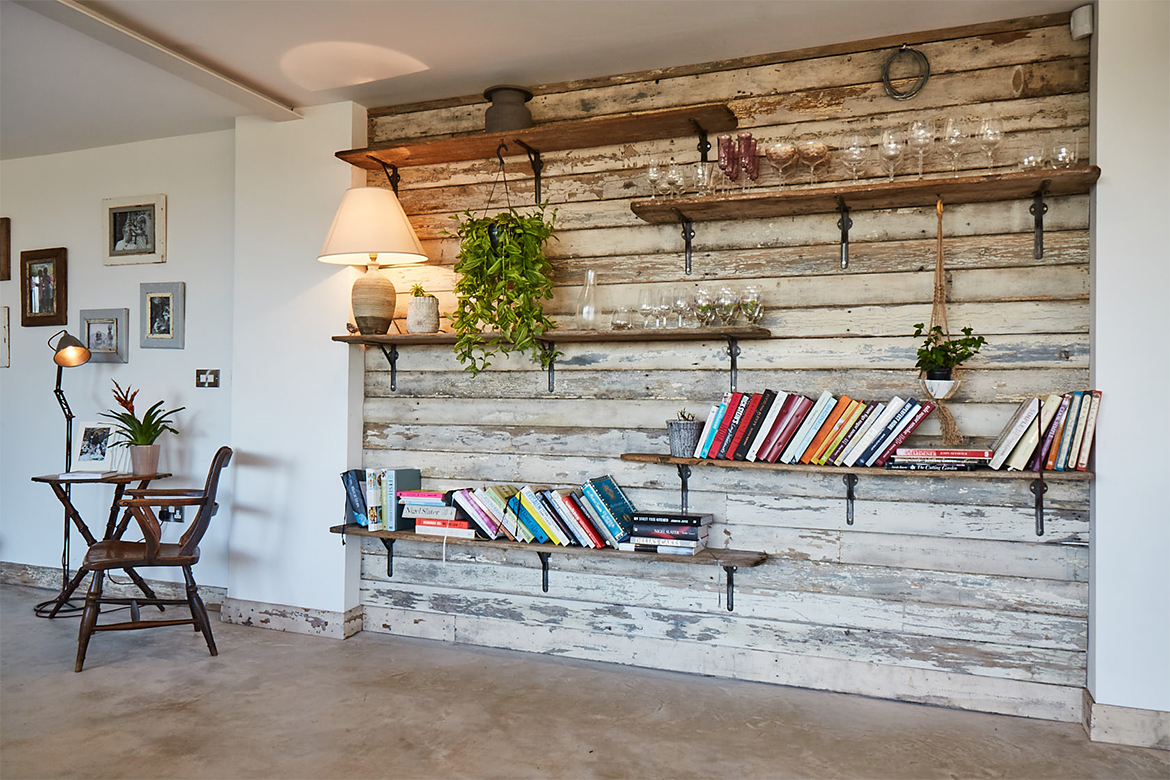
[117, 554]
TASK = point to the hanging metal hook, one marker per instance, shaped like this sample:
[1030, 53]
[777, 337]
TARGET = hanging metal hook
[503, 147]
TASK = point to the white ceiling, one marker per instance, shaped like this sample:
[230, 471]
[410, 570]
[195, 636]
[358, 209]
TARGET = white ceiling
[62, 90]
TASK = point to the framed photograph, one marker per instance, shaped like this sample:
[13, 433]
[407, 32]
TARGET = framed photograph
[135, 230]
[160, 319]
[5, 249]
[93, 447]
[42, 287]
[105, 332]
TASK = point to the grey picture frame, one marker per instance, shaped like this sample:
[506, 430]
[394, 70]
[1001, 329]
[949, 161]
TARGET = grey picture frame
[161, 318]
[106, 334]
[135, 229]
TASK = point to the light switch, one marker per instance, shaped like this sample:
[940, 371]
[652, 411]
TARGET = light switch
[207, 377]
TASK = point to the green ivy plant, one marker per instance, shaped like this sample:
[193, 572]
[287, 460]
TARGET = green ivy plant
[503, 278]
[938, 353]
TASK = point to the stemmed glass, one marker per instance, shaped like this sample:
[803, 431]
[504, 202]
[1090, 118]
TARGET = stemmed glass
[890, 149]
[661, 308]
[781, 156]
[812, 153]
[990, 134]
[751, 304]
[954, 138]
[673, 182]
[704, 178]
[726, 305]
[654, 174]
[680, 304]
[920, 138]
[646, 307]
[854, 152]
[704, 307]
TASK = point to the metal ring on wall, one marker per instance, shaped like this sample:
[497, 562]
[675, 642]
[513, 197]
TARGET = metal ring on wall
[924, 75]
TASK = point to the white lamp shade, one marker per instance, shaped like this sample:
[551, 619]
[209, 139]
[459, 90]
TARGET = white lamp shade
[371, 222]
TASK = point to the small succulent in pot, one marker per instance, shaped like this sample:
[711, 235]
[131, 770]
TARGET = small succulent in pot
[939, 355]
[684, 432]
[422, 311]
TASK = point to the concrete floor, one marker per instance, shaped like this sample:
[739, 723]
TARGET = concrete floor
[154, 704]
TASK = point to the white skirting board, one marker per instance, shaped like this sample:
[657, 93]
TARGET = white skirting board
[299, 620]
[1126, 725]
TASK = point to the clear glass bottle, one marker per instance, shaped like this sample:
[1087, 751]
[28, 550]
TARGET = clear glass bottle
[587, 302]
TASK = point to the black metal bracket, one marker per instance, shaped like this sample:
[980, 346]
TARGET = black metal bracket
[1038, 209]
[684, 474]
[704, 144]
[536, 163]
[844, 223]
[1039, 487]
[544, 556]
[688, 234]
[391, 171]
[733, 352]
[850, 483]
[389, 545]
[550, 347]
[392, 358]
[730, 585]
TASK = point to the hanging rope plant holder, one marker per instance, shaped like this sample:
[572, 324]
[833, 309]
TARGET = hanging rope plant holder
[942, 390]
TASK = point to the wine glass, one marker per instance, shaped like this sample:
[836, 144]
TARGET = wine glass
[751, 304]
[990, 134]
[661, 308]
[890, 149]
[680, 304]
[673, 182]
[1064, 154]
[781, 156]
[920, 137]
[726, 305]
[954, 138]
[854, 152]
[704, 307]
[646, 307]
[812, 152]
[654, 174]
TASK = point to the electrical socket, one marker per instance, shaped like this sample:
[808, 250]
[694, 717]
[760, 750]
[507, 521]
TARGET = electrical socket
[171, 514]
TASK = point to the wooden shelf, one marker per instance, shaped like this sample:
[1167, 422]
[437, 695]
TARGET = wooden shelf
[551, 137]
[576, 336]
[667, 460]
[900, 193]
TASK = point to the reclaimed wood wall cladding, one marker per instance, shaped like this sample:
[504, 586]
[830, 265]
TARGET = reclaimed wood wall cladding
[940, 592]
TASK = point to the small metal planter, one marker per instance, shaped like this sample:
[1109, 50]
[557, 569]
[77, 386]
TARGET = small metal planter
[684, 437]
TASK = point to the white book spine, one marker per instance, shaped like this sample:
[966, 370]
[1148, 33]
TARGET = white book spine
[1017, 430]
[805, 432]
[879, 424]
[864, 429]
[1087, 444]
[766, 425]
[706, 430]
[898, 428]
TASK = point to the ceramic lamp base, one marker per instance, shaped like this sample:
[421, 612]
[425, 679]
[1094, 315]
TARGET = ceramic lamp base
[373, 298]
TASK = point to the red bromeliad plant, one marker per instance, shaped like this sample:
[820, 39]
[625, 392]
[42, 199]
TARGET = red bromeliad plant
[133, 430]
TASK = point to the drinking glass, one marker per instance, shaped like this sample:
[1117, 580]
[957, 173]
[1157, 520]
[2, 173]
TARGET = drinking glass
[749, 159]
[1064, 154]
[674, 179]
[812, 152]
[728, 157]
[854, 152]
[1033, 160]
[704, 307]
[703, 178]
[954, 138]
[751, 304]
[726, 305]
[990, 135]
[890, 149]
[654, 174]
[661, 308]
[781, 156]
[646, 307]
[680, 304]
[920, 137]
[622, 319]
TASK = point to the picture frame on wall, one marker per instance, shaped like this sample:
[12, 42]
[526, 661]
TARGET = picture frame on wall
[161, 318]
[5, 249]
[135, 229]
[106, 334]
[43, 287]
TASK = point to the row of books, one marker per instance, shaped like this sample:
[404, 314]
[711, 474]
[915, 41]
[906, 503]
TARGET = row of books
[1054, 433]
[779, 427]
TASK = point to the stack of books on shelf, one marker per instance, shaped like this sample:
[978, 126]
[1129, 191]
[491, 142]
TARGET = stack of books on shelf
[669, 533]
[779, 427]
[1054, 433]
[434, 512]
[939, 459]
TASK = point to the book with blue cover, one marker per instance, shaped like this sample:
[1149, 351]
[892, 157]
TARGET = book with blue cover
[611, 504]
[529, 522]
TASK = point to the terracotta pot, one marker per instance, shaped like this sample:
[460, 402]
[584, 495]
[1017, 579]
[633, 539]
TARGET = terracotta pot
[144, 459]
[422, 314]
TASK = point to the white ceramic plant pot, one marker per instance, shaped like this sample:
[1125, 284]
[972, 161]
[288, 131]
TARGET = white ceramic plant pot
[422, 314]
[144, 459]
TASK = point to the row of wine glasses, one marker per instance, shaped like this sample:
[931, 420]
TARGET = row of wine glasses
[920, 137]
[681, 307]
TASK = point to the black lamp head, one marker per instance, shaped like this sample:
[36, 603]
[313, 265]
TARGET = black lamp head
[69, 351]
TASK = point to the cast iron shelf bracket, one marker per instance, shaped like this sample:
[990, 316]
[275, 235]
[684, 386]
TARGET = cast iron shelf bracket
[544, 556]
[391, 171]
[850, 483]
[1039, 487]
[733, 353]
[688, 234]
[684, 474]
[844, 223]
[730, 585]
[550, 347]
[389, 545]
[704, 144]
[1038, 209]
[536, 163]
[392, 358]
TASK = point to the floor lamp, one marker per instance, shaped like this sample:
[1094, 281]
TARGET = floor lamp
[68, 353]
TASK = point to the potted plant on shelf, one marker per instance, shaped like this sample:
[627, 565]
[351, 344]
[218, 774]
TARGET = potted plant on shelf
[422, 311]
[684, 433]
[939, 354]
[140, 435]
[503, 278]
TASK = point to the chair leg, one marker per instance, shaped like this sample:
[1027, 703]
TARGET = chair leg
[89, 617]
[198, 611]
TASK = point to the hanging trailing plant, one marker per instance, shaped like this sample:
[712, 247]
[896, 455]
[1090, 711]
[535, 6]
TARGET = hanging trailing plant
[503, 278]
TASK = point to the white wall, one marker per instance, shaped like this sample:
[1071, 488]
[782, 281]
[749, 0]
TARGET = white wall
[295, 409]
[56, 200]
[1129, 613]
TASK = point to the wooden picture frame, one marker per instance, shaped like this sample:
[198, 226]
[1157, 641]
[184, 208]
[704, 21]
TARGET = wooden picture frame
[135, 230]
[43, 287]
[106, 334]
[161, 320]
[93, 447]
[5, 249]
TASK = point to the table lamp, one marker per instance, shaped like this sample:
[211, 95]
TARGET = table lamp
[371, 230]
[68, 353]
